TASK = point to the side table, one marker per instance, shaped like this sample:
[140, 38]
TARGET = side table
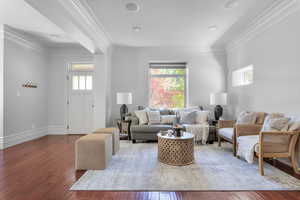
[212, 137]
[124, 127]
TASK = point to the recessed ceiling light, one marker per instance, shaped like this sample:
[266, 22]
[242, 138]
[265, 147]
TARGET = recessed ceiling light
[132, 7]
[212, 28]
[231, 4]
[137, 28]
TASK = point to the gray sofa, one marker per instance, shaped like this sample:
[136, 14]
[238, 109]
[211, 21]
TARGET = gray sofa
[147, 132]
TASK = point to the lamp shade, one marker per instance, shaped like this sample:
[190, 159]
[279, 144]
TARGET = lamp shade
[124, 98]
[218, 99]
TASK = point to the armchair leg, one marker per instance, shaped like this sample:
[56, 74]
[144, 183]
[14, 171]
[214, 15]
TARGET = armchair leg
[294, 163]
[261, 164]
[234, 150]
[219, 141]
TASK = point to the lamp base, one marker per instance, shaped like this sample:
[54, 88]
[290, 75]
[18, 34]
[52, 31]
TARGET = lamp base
[123, 111]
[218, 112]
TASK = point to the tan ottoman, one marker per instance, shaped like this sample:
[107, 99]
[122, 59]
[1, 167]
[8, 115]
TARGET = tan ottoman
[115, 137]
[93, 151]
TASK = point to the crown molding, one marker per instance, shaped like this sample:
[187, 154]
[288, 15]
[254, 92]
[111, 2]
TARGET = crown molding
[274, 14]
[14, 36]
[85, 17]
[1, 31]
[202, 50]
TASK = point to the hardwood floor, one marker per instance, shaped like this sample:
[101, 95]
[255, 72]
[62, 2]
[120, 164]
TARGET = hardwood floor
[44, 169]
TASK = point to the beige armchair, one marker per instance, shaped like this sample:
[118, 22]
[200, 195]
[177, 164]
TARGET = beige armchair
[277, 145]
[228, 130]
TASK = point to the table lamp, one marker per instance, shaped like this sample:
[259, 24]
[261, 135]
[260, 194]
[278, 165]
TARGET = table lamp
[124, 98]
[218, 99]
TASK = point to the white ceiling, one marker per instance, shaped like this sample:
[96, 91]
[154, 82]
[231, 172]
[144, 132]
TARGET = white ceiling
[175, 22]
[18, 14]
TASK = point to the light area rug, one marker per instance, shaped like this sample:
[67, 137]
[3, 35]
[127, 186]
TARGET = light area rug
[136, 167]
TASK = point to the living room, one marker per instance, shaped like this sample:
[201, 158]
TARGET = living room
[149, 100]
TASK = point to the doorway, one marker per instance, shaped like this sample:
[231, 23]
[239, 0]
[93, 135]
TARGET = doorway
[80, 98]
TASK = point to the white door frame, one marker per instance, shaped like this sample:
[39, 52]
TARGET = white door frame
[67, 88]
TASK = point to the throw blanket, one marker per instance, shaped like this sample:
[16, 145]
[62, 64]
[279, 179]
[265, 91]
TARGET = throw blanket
[200, 131]
[246, 146]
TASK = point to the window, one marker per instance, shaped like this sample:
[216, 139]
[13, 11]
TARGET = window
[82, 67]
[242, 76]
[81, 74]
[167, 85]
[75, 83]
[82, 82]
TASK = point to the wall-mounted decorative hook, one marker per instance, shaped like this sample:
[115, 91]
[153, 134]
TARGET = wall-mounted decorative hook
[30, 85]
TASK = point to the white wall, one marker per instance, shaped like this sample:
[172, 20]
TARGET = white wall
[25, 109]
[60, 58]
[275, 57]
[130, 72]
[1, 85]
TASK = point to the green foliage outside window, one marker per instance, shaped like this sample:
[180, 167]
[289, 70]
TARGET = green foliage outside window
[167, 88]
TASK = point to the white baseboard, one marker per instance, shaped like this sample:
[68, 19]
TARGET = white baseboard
[1, 143]
[17, 138]
[24, 136]
[57, 130]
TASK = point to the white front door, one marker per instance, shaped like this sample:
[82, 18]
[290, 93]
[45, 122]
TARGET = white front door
[80, 102]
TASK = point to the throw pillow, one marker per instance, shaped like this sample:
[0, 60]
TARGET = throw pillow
[153, 117]
[294, 125]
[164, 111]
[279, 124]
[133, 118]
[202, 117]
[167, 119]
[247, 118]
[142, 116]
[266, 125]
[188, 117]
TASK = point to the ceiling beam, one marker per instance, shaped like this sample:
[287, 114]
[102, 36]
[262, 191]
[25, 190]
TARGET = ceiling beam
[73, 18]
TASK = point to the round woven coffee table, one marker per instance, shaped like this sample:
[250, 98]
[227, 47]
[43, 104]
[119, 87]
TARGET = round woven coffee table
[178, 151]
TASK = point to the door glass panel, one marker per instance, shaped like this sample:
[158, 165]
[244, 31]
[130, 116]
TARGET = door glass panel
[75, 83]
[82, 67]
[82, 82]
[89, 82]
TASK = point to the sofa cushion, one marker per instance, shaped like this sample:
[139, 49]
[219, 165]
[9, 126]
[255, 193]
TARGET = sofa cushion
[294, 126]
[150, 128]
[153, 117]
[266, 125]
[260, 117]
[226, 132]
[164, 112]
[247, 118]
[201, 117]
[142, 116]
[132, 117]
[279, 124]
[167, 119]
[188, 117]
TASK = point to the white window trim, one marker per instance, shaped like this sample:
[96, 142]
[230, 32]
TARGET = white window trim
[238, 76]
